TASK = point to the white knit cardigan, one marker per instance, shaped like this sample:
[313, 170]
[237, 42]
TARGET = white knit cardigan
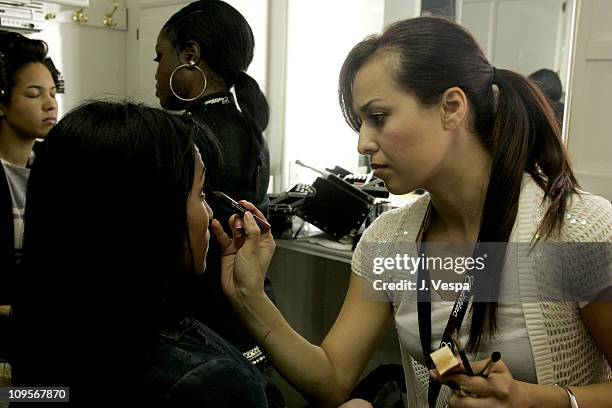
[563, 349]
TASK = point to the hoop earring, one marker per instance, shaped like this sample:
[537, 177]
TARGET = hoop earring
[190, 65]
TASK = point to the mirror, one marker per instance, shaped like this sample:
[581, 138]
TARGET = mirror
[521, 35]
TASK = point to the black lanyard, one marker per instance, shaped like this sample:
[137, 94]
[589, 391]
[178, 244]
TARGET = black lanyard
[424, 315]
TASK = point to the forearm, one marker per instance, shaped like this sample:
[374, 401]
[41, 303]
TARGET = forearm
[306, 366]
[545, 396]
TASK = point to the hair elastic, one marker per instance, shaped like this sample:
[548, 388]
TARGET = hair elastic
[495, 76]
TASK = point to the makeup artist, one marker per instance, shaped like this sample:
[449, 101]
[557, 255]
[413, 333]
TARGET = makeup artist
[433, 113]
[202, 53]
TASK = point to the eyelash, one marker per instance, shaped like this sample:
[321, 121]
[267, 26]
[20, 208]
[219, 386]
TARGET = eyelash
[39, 95]
[378, 119]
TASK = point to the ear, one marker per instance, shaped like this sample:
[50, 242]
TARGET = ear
[454, 108]
[190, 52]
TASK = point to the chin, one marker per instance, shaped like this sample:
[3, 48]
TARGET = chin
[400, 188]
[397, 190]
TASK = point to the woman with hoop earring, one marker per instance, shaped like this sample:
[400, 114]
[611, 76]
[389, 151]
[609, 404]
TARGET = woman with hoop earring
[202, 52]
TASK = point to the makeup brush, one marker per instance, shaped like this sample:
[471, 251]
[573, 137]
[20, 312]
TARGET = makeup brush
[495, 357]
[462, 355]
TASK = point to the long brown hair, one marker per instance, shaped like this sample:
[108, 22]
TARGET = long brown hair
[517, 126]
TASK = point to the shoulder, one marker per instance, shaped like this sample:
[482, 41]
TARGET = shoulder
[398, 224]
[392, 228]
[588, 218]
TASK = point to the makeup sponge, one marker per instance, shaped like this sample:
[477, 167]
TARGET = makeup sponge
[444, 360]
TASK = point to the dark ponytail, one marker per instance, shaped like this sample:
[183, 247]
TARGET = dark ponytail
[525, 137]
[517, 126]
[227, 44]
[252, 101]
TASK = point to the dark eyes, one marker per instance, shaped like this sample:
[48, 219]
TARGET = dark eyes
[378, 118]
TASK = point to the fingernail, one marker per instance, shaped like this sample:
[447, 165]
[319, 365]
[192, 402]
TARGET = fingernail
[453, 385]
[432, 374]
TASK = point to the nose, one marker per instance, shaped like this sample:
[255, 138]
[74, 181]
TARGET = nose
[50, 103]
[366, 145]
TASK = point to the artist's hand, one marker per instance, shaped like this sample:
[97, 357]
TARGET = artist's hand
[246, 256]
[500, 389]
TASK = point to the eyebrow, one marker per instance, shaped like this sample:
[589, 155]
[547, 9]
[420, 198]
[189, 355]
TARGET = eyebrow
[40, 88]
[365, 106]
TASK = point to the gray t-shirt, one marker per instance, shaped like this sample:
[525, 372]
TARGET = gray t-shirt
[17, 178]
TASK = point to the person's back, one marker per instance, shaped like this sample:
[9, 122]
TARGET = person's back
[110, 256]
[246, 160]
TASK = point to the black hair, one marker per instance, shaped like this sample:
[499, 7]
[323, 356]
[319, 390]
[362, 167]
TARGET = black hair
[519, 131]
[549, 82]
[227, 43]
[105, 229]
[17, 52]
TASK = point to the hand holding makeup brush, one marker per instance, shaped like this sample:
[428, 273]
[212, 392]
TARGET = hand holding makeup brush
[492, 385]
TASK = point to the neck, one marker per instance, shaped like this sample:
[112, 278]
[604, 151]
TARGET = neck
[14, 148]
[458, 196]
[214, 87]
[210, 99]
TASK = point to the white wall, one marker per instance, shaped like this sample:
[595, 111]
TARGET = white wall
[589, 136]
[320, 33]
[396, 10]
[520, 35]
[91, 59]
